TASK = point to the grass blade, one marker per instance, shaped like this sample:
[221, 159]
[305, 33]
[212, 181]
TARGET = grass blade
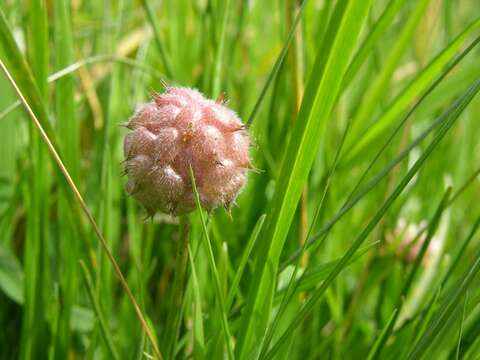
[451, 302]
[432, 227]
[21, 72]
[219, 55]
[277, 65]
[460, 330]
[37, 266]
[307, 308]
[307, 134]
[378, 30]
[377, 90]
[199, 339]
[68, 134]
[243, 262]
[181, 259]
[383, 336]
[316, 274]
[446, 311]
[158, 39]
[355, 196]
[414, 89]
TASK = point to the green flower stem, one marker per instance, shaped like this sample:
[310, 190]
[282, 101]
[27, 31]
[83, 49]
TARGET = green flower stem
[175, 314]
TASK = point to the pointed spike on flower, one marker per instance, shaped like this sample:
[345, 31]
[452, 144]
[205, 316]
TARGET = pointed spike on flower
[222, 99]
[164, 84]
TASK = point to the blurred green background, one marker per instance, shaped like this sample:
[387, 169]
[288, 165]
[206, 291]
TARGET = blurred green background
[319, 118]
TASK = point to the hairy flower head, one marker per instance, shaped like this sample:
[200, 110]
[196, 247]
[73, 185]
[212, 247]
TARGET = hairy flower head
[178, 129]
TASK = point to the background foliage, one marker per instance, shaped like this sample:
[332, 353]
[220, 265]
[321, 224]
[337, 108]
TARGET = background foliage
[355, 238]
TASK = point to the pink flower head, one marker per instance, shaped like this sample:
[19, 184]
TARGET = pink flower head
[178, 129]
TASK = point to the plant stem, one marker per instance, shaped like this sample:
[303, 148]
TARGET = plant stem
[175, 314]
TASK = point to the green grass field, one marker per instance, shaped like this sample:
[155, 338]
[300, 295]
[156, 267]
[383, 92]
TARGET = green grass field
[355, 237]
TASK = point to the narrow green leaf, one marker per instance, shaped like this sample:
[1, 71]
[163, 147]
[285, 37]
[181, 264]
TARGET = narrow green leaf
[198, 332]
[378, 30]
[432, 227]
[106, 333]
[219, 55]
[427, 316]
[356, 195]
[308, 307]
[152, 17]
[22, 74]
[68, 128]
[36, 312]
[461, 251]
[68, 135]
[318, 273]
[177, 294]
[378, 89]
[414, 89]
[307, 134]
[276, 66]
[447, 309]
[383, 335]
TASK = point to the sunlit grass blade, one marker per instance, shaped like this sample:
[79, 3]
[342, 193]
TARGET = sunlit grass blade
[317, 104]
[414, 89]
[307, 308]
[378, 30]
[292, 286]
[108, 180]
[460, 330]
[67, 123]
[356, 195]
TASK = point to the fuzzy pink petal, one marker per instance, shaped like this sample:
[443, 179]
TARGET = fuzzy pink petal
[179, 129]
